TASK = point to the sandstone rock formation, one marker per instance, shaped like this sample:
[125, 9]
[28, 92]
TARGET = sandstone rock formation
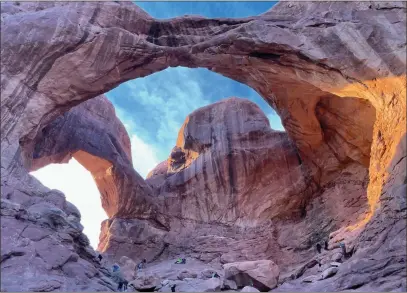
[334, 72]
[42, 245]
[263, 274]
[94, 136]
[248, 238]
[229, 166]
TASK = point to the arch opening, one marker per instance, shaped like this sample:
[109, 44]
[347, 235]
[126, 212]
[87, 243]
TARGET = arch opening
[276, 82]
[94, 141]
[154, 108]
[78, 185]
[297, 72]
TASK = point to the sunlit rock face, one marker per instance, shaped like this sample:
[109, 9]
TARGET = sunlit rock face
[334, 72]
[229, 166]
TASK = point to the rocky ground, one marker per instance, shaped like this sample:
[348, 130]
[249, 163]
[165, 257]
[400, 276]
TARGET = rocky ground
[234, 195]
[264, 275]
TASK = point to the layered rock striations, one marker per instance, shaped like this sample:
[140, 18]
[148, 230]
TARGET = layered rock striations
[274, 212]
[334, 72]
[230, 167]
[43, 247]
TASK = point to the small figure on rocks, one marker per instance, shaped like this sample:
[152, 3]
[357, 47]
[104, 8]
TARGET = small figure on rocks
[141, 265]
[181, 261]
[319, 248]
[173, 287]
[124, 285]
[117, 276]
[100, 257]
[215, 275]
[345, 254]
[342, 246]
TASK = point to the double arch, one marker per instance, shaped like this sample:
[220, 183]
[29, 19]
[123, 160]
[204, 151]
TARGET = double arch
[77, 51]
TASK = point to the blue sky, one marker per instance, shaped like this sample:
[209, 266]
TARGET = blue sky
[153, 108]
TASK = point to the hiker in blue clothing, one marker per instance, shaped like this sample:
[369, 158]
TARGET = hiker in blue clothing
[117, 276]
[141, 265]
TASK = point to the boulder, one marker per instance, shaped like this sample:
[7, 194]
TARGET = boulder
[263, 274]
[186, 274]
[207, 274]
[198, 285]
[337, 256]
[146, 283]
[328, 273]
[229, 285]
[310, 279]
[127, 266]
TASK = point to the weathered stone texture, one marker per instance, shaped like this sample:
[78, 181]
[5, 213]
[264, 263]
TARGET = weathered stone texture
[334, 72]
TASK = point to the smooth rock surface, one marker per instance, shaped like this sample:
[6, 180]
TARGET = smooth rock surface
[229, 166]
[263, 274]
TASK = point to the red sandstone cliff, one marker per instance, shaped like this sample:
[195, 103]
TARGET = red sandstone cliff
[334, 72]
[230, 167]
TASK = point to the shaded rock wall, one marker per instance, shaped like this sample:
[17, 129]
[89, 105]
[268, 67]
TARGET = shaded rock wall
[42, 245]
[93, 135]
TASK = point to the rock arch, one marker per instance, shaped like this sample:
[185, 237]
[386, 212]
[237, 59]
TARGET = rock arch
[93, 135]
[293, 69]
[305, 59]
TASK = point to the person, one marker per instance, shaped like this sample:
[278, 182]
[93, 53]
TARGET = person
[215, 275]
[100, 257]
[319, 248]
[117, 276]
[141, 265]
[125, 284]
[345, 254]
[342, 246]
[181, 261]
[173, 287]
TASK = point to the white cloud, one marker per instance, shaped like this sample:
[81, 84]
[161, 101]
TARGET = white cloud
[80, 189]
[143, 155]
[168, 97]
